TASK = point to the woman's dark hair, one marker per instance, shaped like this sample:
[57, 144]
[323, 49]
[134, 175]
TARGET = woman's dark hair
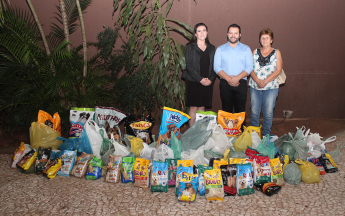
[235, 26]
[266, 31]
[194, 39]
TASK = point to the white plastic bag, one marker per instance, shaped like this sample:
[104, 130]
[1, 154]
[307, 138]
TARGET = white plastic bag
[120, 149]
[315, 138]
[147, 152]
[95, 138]
[209, 144]
[255, 140]
[220, 139]
[196, 155]
[163, 152]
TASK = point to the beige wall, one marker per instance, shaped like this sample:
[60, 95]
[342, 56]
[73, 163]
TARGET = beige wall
[308, 33]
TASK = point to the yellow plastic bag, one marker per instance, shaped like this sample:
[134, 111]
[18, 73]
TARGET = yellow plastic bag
[253, 129]
[243, 141]
[226, 154]
[44, 136]
[310, 173]
[217, 163]
[51, 173]
[136, 145]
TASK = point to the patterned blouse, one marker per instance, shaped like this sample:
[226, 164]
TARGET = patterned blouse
[263, 67]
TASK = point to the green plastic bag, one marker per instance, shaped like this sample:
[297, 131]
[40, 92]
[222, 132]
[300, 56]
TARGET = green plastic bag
[336, 154]
[243, 141]
[236, 154]
[176, 145]
[266, 147]
[280, 142]
[299, 144]
[292, 174]
[208, 154]
[289, 150]
[197, 135]
[107, 148]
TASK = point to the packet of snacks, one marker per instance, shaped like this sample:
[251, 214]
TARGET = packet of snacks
[141, 172]
[18, 154]
[109, 118]
[213, 185]
[277, 172]
[80, 167]
[27, 160]
[43, 156]
[140, 126]
[231, 123]
[114, 169]
[172, 120]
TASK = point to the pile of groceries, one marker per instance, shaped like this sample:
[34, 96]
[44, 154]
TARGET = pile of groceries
[213, 158]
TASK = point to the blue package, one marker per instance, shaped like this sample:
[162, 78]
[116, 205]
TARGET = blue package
[182, 170]
[67, 160]
[188, 187]
[159, 179]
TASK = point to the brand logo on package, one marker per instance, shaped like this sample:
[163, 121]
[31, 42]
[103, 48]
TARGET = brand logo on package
[174, 118]
[141, 125]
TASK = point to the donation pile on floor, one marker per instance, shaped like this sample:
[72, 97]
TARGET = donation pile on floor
[213, 157]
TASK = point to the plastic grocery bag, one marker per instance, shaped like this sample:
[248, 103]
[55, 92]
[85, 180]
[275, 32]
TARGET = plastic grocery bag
[289, 150]
[220, 140]
[163, 152]
[208, 154]
[107, 147]
[255, 140]
[44, 136]
[243, 141]
[196, 155]
[266, 147]
[197, 135]
[147, 152]
[292, 174]
[237, 154]
[176, 145]
[336, 154]
[95, 138]
[136, 145]
[126, 141]
[299, 145]
[310, 173]
[120, 149]
[280, 142]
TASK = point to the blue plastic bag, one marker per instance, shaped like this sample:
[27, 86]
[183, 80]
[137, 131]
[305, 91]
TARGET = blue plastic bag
[81, 144]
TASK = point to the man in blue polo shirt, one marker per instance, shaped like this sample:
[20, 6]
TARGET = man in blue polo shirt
[233, 62]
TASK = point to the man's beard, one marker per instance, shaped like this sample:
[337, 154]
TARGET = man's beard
[235, 40]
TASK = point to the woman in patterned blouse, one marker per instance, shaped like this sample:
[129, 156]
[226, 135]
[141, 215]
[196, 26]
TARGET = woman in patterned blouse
[264, 86]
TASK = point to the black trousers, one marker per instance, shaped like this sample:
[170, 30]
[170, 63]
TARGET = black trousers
[233, 98]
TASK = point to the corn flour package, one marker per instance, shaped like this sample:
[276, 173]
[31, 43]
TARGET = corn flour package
[78, 117]
[43, 155]
[183, 166]
[172, 120]
[53, 122]
[229, 173]
[205, 114]
[214, 185]
[114, 169]
[217, 163]
[188, 188]
[159, 180]
[172, 169]
[127, 169]
[277, 172]
[231, 123]
[109, 118]
[244, 181]
[141, 172]
[67, 162]
[94, 169]
[201, 170]
[80, 167]
[262, 169]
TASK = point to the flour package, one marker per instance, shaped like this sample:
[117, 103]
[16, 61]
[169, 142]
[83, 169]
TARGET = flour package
[78, 117]
[229, 173]
[188, 187]
[244, 181]
[205, 114]
[109, 118]
[159, 179]
[67, 162]
[172, 120]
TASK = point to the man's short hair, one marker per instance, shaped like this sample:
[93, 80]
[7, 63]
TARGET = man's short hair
[235, 26]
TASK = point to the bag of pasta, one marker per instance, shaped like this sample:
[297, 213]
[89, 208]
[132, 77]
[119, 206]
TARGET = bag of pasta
[213, 185]
[310, 173]
[231, 123]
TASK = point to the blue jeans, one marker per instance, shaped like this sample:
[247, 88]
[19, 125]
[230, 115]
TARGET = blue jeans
[265, 100]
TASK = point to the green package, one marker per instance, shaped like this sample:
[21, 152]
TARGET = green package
[172, 168]
[127, 169]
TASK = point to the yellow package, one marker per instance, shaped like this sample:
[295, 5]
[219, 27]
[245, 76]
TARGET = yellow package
[331, 160]
[231, 123]
[253, 129]
[237, 160]
[286, 161]
[213, 185]
[185, 163]
[277, 172]
[136, 145]
[18, 154]
[217, 163]
[29, 162]
[141, 167]
[310, 173]
[53, 122]
[51, 173]
[226, 154]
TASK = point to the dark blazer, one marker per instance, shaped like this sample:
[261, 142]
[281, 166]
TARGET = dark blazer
[192, 55]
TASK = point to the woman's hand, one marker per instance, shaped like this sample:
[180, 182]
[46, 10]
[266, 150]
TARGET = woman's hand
[261, 83]
[205, 82]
